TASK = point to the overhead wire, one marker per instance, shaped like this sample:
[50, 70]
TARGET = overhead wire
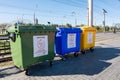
[72, 3]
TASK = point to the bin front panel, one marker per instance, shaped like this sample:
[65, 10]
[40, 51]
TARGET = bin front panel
[88, 38]
[37, 47]
[68, 40]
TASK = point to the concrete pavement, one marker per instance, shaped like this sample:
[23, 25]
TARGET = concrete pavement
[102, 64]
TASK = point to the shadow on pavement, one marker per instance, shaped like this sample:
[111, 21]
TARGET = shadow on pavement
[8, 71]
[88, 64]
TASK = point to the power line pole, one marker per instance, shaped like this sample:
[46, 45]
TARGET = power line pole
[90, 13]
[74, 14]
[104, 15]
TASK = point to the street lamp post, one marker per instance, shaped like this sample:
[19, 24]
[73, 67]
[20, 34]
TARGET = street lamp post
[104, 15]
[74, 14]
[64, 21]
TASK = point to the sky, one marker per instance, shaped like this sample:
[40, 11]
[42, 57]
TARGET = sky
[59, 11]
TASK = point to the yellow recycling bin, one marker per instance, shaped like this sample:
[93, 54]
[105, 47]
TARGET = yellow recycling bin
[88, 37]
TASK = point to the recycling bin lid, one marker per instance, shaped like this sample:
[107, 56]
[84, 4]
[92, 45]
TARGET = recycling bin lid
[85, 28]
[69, 30]
[31, 28]
[26, 28]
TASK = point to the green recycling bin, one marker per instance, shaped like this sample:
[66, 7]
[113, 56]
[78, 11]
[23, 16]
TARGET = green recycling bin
[31, 44]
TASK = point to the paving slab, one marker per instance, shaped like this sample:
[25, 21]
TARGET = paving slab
[102, 64]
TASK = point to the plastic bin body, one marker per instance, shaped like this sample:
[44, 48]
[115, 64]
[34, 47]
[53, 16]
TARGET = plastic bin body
[67, 40]
[88, 37]
[33, 44]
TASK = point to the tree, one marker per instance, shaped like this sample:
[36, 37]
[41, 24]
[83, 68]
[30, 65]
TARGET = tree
[68, 25]
[82, 25]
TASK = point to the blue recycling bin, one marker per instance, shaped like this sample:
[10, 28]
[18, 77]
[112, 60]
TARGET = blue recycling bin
[67, 40]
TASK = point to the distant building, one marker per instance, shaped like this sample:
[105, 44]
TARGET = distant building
[3, 28]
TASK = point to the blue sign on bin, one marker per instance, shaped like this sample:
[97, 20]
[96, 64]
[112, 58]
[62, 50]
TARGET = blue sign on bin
[67, 40]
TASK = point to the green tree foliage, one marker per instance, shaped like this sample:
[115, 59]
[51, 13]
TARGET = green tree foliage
[82, 25]
[68, 25]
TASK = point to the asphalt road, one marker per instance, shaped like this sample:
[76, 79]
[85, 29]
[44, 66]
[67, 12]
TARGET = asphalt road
[102, 64]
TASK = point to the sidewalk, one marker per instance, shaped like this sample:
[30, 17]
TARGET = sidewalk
[102, 64]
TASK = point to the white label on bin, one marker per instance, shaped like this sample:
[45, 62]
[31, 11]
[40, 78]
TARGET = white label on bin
[40, 44]
[90, 37]
[71, 40]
